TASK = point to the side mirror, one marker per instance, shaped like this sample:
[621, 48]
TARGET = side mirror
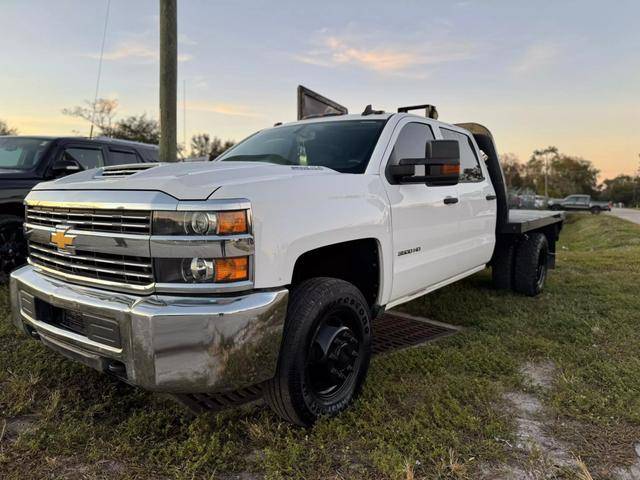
[66, 166]
[441, 165]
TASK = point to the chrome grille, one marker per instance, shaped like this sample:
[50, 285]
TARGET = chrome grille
[101, 266]
[94, 220]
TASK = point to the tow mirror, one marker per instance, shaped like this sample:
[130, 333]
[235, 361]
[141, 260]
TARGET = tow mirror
[65, 166]
[441, 165]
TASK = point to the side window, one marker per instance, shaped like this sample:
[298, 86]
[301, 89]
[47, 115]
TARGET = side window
[411, 144]
[470, 170]
[122, 157]
[87, 157]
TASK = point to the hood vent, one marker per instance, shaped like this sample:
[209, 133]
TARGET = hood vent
[125, 170]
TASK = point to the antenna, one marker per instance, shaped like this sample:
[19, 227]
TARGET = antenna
[184, 113]
[95, 97]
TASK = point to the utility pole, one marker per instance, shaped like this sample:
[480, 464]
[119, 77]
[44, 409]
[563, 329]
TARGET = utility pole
[168, 79]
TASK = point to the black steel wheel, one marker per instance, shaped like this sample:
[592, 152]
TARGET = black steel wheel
[13, 248]
[325, 351]
[531, 264]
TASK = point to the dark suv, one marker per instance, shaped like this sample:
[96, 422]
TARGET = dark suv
[26, 161]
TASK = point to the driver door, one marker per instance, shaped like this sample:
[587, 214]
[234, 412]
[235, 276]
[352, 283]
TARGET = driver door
[424, 219]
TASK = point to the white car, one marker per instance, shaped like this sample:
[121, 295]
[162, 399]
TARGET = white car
[266, 268]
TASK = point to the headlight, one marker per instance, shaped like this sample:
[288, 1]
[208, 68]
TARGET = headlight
[201, 270]
[200, 223]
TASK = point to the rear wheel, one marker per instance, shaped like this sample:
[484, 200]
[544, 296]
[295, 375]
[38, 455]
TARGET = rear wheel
[325, 351]
[531, 264]
[13, 248]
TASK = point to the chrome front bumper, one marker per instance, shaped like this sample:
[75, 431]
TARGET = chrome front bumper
[170, 344]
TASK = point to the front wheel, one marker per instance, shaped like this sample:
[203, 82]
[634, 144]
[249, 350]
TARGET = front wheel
[595, 210]
[325, 351]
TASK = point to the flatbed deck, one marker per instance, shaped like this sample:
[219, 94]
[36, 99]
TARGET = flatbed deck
[523, 221]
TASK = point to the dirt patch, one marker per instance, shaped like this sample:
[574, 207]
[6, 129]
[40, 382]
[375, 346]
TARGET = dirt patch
[632, 472]
[538, 454]
[11, 428]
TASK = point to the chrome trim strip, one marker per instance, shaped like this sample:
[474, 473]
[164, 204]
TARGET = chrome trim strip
[220, 205]
[199, 288]
[168, 246]
[102, 199]
[93, 282]
[50, 251]
[89, 268]
[128, 244]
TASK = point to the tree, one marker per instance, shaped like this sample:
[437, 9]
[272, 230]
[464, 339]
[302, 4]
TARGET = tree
[5, 129]
[203, 146]
[218, 147]
[514, 171]
[137, 128]
[99, 114]
[566, 174]
[200, 145]
[623, 188]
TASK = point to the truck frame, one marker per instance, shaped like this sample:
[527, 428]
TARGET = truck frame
[265, 269]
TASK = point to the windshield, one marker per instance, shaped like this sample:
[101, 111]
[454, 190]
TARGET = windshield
[344, 146]
[18, 153]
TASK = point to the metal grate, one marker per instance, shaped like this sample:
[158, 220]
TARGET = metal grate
[93, 220]
[213, 402]
[394, 331]
[103, 266]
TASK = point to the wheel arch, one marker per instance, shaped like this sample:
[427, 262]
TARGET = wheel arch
[358, 261]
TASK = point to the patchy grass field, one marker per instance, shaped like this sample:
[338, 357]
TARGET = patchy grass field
[530, 385]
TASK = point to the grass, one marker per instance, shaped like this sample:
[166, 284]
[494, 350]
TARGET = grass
[430, 412]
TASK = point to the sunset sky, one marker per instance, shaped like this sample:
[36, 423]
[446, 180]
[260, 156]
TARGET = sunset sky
[563, 73]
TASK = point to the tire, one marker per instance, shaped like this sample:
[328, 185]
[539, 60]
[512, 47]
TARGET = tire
[531, 264]
[502, 267]
[555, 208]
[595, 210]
[322, 312]
[13, 247]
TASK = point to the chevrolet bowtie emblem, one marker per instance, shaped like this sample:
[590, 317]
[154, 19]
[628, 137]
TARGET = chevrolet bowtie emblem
[61, 239]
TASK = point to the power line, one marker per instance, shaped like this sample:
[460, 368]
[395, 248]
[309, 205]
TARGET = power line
[104, 38]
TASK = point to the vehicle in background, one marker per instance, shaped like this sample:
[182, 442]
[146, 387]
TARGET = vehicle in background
[578, 203]
[26, 161]
[263, 270]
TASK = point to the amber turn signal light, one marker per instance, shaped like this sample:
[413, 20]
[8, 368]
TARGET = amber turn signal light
[232, 222]
[450, 169]
[232, 269]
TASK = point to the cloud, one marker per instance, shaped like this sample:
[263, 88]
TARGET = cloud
[222, 109]
[333, 51]
[536, 57]
[136, 51]
[183, 39]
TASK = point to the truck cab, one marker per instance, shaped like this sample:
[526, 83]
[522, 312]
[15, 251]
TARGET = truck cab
[266, 268]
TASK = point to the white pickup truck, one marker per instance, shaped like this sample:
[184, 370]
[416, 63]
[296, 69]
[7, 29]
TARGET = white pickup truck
[265, 269]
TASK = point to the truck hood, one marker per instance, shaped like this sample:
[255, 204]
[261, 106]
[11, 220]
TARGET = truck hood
[184, 181]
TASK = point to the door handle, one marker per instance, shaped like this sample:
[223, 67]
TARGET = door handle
[491, 197]
[450, 200]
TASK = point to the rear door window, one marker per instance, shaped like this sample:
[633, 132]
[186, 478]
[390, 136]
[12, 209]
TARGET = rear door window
[122, 156]
[470, 170]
